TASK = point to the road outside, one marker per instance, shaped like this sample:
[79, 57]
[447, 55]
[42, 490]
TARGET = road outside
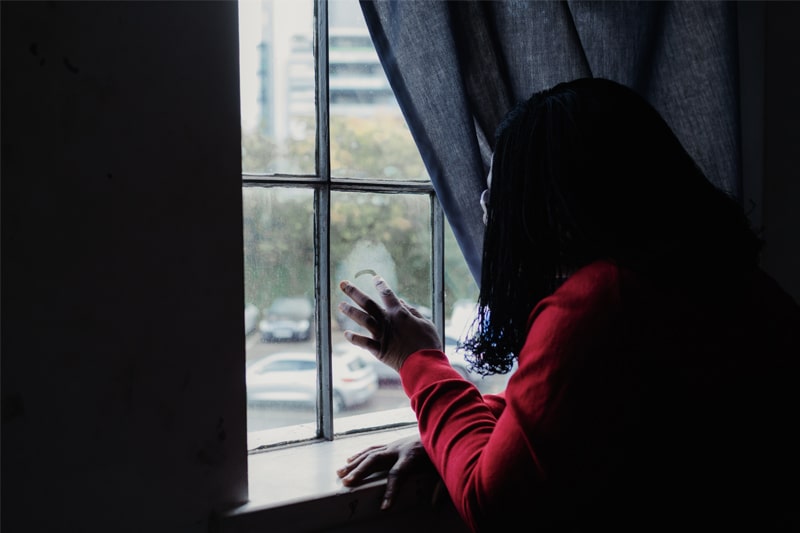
[389, 395]
[268, 416]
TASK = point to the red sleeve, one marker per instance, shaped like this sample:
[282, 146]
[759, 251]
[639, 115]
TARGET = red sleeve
[496, 402]
[494, 460]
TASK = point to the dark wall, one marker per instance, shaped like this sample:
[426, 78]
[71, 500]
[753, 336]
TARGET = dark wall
[781, 188]
[122, 335]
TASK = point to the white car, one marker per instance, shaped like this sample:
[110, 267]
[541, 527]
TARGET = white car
[291, 377]
[389, 377]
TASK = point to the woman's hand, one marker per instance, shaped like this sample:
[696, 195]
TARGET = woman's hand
[397, 330]
[400, 458]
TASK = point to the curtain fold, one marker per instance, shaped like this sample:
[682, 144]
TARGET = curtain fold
[456, 67]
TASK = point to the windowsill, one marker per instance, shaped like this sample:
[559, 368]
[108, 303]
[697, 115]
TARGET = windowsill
[295, 487]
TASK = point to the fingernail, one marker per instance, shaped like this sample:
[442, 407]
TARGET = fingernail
[348, 335]
[343, 285]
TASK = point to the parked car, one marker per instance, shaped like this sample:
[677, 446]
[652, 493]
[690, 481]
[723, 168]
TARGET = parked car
[251, 314]
[292, 377]
[388, 376]
[385, 373]
[288, 319]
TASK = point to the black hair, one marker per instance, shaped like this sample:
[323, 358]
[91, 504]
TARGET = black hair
[588, 170]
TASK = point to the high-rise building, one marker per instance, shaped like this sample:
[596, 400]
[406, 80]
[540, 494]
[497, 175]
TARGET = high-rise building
[357, 84]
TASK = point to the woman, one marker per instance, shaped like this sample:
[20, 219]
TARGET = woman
[657, 372]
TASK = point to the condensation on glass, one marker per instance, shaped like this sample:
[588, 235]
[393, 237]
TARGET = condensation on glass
[281, 351]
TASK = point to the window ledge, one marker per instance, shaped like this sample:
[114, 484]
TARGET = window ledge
[295, 488]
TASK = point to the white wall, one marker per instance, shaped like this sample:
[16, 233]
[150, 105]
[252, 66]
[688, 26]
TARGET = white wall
[122, 345]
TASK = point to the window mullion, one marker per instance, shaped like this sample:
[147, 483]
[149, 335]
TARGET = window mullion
[437, 264]
[322, 204]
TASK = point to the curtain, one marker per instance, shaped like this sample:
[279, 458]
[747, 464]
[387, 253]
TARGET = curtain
[456, 67]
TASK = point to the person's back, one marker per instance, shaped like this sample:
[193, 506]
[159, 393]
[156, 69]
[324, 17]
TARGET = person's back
[679, 409]
[705, 399]
[669, 407]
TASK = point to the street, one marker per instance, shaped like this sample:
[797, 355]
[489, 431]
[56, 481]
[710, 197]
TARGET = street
[268, 416]
[390, 394]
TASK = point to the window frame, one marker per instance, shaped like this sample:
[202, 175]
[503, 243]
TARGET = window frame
[323, 183]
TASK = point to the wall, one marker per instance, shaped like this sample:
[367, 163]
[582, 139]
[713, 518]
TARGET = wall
[122, 335]
[781, 187]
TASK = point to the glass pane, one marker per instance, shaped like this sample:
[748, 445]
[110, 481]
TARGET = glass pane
[390, 234]
[369, 137]
[277, 84]
[279, 293]
[460, 289]
[461, 300]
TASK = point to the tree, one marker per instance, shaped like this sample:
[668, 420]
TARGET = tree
[278, 221]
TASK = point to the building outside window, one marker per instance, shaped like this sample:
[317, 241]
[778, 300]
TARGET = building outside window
[333, 188]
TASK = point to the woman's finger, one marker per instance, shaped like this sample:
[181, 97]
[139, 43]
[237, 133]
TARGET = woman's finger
[372, 464]
[361, 318]
[367, 451]
[387, 294]
[364, 301]
[410, 309]
[355, 460]
[395, 478]
[369, 344]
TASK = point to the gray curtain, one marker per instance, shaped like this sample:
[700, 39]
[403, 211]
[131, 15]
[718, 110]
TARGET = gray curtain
[456, 67]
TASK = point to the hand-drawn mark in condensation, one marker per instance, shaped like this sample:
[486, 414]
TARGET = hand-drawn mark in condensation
[366, 271]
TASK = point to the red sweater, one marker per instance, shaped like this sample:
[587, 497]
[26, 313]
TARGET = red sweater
[632, 408]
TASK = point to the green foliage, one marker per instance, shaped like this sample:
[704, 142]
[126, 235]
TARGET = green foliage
[258, 152]
[279, 221]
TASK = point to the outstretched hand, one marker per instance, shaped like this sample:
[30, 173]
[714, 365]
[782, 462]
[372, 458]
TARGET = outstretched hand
[400, 458]
[397, 329]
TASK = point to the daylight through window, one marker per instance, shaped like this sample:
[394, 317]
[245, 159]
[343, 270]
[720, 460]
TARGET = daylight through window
[332, 184]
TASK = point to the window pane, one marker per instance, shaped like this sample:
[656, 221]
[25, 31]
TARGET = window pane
[369, 137]
[460, 289]
[279, 283]
[277, 86]
[461, 297]
[391, 235]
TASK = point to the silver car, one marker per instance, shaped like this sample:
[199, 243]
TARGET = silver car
[387, 376]
[291, 377]
[288, 319]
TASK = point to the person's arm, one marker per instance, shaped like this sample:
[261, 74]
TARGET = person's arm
[398, 459]
[498, 467]
[496, 402]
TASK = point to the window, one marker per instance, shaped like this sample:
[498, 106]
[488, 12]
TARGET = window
[332, 185]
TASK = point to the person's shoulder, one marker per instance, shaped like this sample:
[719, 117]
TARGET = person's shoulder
[598, 278]
[587, 300]
[593, 288]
